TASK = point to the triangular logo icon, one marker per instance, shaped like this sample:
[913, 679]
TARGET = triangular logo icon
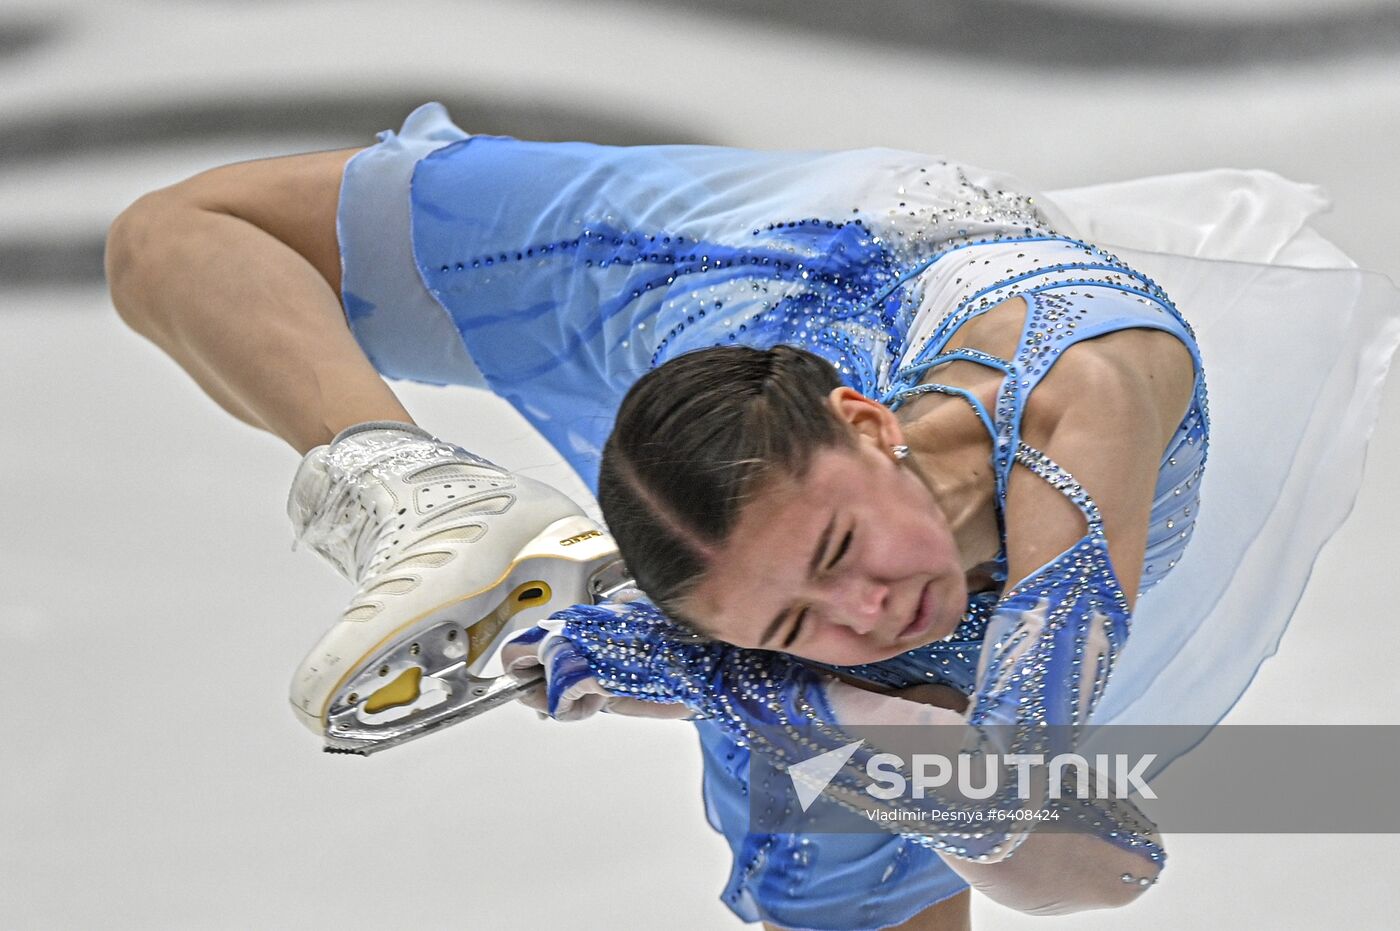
[811, 776]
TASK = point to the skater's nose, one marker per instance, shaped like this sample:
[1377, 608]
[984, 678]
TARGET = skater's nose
[858, 602]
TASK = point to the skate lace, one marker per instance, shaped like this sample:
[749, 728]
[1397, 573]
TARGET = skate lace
[343, 523]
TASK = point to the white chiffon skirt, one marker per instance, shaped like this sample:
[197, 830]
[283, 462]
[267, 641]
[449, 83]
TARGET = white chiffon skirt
[1296, 342]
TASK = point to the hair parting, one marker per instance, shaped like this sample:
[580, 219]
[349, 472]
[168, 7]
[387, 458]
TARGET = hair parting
[694, 439]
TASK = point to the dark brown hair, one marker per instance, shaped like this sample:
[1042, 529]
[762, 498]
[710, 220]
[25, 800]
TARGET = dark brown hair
[694, 439]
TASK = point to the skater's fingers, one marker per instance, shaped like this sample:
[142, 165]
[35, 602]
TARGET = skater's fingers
[584, 706]
[581, 699]
[536, 698]
[522, 653]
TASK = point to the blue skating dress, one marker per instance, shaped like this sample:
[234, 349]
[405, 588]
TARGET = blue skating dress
[555, 274]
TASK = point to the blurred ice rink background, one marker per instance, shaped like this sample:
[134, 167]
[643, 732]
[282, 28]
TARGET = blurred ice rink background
[151, 774]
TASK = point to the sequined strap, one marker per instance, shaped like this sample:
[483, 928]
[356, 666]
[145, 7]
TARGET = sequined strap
[911, 373]
[908, 387]
[955, 391]
[1067, 484]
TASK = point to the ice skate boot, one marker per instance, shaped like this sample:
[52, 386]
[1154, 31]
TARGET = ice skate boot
[450, 556]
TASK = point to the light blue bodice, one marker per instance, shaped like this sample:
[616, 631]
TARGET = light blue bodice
[871, 259]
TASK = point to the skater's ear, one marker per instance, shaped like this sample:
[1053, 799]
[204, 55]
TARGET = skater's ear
[867, 418]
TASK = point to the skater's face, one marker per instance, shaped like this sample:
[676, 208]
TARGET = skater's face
[852, 563]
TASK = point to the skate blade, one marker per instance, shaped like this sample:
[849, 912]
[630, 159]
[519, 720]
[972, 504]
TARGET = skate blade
[422, 685]
[465, 696]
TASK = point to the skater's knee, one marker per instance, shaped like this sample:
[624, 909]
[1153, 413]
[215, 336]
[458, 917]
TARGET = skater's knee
[136, 242]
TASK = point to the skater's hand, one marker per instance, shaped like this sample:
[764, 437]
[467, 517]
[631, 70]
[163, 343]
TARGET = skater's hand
[570, 691]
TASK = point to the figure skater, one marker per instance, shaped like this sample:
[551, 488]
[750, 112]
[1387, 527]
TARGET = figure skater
[879, 438]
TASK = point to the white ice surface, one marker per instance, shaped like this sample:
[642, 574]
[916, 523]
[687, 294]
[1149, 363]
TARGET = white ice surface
[151, 775]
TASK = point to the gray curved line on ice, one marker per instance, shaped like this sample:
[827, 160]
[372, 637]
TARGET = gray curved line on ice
[1015, 32]
[344, 119]
[40, 261]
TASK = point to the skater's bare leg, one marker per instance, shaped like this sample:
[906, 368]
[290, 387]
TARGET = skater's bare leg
[235, 273]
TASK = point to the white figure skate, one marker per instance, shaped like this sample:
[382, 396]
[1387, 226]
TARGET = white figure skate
[451, 556]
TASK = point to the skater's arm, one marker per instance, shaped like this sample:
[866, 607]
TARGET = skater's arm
[751, 693]
[234, 274]
[633, 650]
[1051, 872]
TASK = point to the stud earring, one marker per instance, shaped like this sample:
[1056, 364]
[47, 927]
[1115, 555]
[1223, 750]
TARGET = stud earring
[899, 452]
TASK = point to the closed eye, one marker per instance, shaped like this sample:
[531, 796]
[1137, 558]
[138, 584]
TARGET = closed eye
[841, 550]
[796, 629]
